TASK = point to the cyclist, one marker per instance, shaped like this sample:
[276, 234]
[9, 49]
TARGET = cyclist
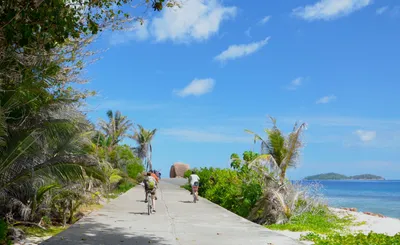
[194, 180]
[154, 175]
[150, 185]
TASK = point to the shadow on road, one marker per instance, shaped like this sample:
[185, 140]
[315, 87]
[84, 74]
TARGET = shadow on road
[138, 213]
[186, 201]
[101, 234]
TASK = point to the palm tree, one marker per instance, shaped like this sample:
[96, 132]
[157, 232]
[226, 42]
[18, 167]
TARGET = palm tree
[282, 150]
[52, 148]
[116, 127]
[143, 138]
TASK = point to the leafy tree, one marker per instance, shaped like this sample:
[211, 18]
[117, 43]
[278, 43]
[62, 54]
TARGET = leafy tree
[44, 138]
[51, 23]
[143, 138]
[284, 150]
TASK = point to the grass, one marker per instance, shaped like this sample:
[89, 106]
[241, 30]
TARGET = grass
[90, 208]
[349, 239]
[322, 221]
[37, 232]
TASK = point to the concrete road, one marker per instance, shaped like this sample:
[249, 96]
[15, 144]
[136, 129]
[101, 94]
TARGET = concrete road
[177, 222]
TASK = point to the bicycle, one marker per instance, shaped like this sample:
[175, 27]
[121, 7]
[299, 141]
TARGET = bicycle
[195, 189]
[149, 203]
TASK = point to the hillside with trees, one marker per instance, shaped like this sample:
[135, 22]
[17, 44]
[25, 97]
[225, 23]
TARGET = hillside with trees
[336, 176]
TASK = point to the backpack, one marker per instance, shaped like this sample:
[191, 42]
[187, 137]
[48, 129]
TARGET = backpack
[150, 184]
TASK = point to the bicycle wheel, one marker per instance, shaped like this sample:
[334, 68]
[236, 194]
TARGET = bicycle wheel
[149, 204]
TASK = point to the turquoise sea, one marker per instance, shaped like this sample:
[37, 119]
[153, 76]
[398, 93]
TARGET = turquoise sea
[373, 196]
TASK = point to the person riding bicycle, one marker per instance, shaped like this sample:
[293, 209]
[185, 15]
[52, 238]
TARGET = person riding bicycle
[154, 175]
[194, 180]
[150, 185]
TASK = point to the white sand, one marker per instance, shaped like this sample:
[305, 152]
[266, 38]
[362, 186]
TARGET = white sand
[386, 225]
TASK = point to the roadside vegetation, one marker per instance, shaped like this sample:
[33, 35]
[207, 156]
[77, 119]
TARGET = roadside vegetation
[350, 239]
[54, 163]
[256, 187]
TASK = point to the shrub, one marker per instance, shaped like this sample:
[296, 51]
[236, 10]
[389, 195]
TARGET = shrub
[125, 185]
[3, 233]
[358, 239]
[140, 178]
[187, 174]
[229, 189]
[134, 170]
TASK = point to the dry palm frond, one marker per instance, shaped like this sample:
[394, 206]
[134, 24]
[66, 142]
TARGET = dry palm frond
[143, 139]
[284, 150]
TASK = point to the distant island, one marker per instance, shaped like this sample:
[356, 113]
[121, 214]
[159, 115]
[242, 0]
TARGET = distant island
[335, 176]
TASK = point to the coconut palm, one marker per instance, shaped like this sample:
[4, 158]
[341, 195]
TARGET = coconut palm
[116, 127]
[282, 150]
[143, 138]
[52, 148]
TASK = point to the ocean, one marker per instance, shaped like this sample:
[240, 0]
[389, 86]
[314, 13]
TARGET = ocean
[381, 197]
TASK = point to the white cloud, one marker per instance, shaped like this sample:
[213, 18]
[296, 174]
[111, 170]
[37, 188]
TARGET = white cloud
[382, 10]
[203, 136]
[295, 83]
[326, 99]
[194, 20]
[330, 9]
[237, 51]
[137, 32]
[197, 87]
[265, 19]
[366, 136]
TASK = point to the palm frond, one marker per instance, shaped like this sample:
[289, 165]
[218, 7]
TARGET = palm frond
[41, 192]
[292, 146]
[3, 128]
[15, 151]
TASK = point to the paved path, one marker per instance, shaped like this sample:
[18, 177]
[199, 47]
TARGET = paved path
[177, 222]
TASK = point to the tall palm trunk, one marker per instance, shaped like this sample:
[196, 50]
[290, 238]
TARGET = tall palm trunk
[282, 176]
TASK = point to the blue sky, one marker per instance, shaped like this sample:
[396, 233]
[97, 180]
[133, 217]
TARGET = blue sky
[203, 73]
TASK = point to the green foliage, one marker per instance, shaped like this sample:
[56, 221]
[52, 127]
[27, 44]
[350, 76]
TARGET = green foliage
[143, 139]
[38, 232]
[187, 174]
[48, 166]
[358, 239]
[140, 178]
[234, 189]
[52, 23]
[283, 150]
[115, 128]
[3, 232]
[320, 220]
[115, 177]
[134, 170]
[125, 185]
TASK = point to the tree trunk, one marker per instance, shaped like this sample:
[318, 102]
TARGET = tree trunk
[90, 185]
[64, 216]
[149, 160]
[282, 176]
[71, 211]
